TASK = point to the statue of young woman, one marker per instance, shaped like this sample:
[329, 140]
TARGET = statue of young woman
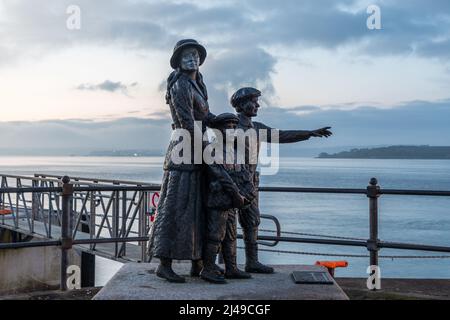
[179, 228]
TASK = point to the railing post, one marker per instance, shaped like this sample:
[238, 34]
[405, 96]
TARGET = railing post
[373, 193]
[34, 204]
[115, 219]
[92, 217]
[124, 224]
[66, 234]
[17, 212]
[2, 199]
[88, 259]
[141, 223]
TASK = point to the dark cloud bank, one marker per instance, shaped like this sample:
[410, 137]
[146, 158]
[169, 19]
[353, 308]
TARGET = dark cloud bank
[415, 123]
[238, 33]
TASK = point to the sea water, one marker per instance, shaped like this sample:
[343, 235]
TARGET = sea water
[410, 219]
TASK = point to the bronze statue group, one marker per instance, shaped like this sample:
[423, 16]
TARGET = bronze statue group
[199, 203]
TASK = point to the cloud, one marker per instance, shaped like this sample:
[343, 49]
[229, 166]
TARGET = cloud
[238, 68]
[125, 133]
[414, 123]
[244, 39]
[107, 85]
[235, 68]
[415, 26]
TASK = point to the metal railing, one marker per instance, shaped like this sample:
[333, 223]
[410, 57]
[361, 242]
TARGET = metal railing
[100, 208]
[64, 194]
[83, 191]
[373, 243]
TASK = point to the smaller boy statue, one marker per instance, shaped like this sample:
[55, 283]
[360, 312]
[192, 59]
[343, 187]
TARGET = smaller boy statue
[230, 187]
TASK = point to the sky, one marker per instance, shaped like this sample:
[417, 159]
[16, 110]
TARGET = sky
[316, 62]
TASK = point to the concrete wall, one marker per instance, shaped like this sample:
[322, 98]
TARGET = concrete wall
[5, 236]
[32, 269]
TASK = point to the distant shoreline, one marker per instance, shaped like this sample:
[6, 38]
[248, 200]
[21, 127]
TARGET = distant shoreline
[377, 152]
[393, 152]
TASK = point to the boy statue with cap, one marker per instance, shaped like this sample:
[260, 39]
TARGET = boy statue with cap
[245, 102]
[230, 186]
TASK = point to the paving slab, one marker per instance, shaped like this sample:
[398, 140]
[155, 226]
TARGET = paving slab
[397, 289]
[137, 281]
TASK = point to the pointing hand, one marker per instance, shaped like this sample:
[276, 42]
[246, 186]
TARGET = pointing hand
[322, 132]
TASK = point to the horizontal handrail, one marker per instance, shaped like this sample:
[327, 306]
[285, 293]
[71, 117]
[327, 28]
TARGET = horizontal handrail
[399, 192]
[356, 243]
[30, 189]
[80, 189]
[405, 192]
[118, 188]
[95, 180]
[156, 187]
[12, 176]
[311, 190]
[47, 243]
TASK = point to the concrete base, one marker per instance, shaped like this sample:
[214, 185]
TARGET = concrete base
[137, 281]
[31, 269]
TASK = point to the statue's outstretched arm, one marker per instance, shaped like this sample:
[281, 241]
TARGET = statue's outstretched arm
[291, 136]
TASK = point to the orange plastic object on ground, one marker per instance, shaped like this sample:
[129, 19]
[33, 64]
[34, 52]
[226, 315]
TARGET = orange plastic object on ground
[331, 265]
[5, 212]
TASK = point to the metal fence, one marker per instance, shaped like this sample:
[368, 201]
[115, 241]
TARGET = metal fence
[373, 243]
[100, 209]
[125, 212]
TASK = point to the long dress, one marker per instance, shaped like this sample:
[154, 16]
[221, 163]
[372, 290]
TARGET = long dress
[179, 228]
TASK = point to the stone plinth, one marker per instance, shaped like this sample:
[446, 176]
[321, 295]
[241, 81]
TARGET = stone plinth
[137, 281]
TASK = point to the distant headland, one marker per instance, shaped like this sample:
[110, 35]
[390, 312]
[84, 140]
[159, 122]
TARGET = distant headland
[392, 152]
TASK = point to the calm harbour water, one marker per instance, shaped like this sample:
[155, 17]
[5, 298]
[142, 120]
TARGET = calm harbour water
[402, 218]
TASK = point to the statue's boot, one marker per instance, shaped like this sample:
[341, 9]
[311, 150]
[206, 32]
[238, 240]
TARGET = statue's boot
[165, 271]
[252, 264]
[196, 268]
[219, 269]
[209, 272]
[229, 256]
